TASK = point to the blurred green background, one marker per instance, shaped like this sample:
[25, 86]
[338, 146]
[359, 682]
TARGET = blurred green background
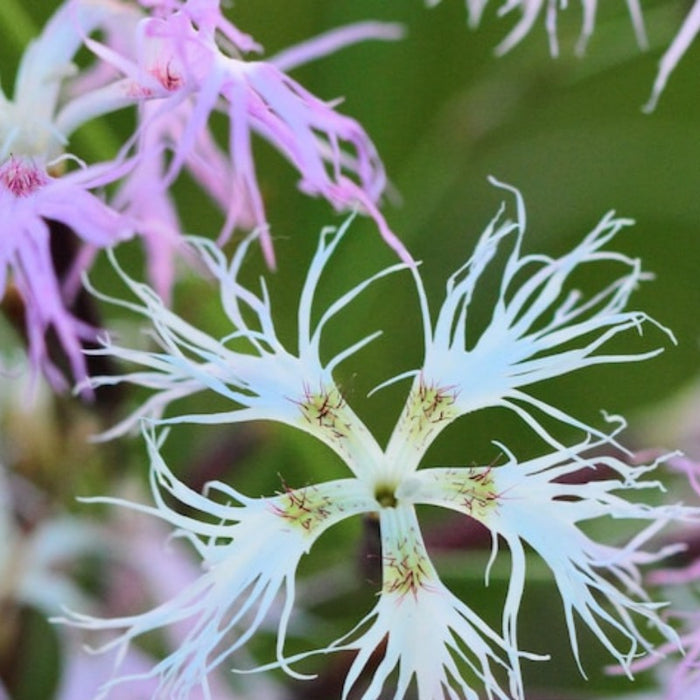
[444, 114]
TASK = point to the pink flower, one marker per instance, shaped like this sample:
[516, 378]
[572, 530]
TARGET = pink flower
[206, 14]
[684, 680]
[678, 679]
[184, 70]
[176, 66]
[35, 203]
[29, 200]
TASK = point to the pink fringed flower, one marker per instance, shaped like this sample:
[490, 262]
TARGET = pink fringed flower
[29, 199]
[35, 126]
[184, 68]
[207, 15]
[176, 65]
[680, 680]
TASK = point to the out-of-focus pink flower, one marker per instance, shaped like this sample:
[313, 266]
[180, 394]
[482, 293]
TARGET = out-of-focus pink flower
[176, 66]
[678, 678]
[207, 15]
[682, 680]
[35, 125]
[29, 199]
[184, 68]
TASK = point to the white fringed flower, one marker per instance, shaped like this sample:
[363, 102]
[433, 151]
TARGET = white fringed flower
[416, 613]
[539, 328]
[250, 366]
[530, 11]
[533, 503]
[250, 548]
[680, 44]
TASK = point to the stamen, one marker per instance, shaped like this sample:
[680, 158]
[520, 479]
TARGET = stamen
[169, 78]
[474, 490]
[21, 177]
[429, 409]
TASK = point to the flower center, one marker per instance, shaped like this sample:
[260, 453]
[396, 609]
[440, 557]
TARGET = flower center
[386, 495]
[168, 76]
[21, 177]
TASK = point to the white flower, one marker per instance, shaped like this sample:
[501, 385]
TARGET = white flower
[39, 118]
[250, 548]
[416, 613]
[249, 551]
[539, 329]
[532, 502]
[531, 10]
[263, 379]
[685, 36]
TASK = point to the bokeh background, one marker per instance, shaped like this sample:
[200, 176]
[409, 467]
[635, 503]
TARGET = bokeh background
[444, 113]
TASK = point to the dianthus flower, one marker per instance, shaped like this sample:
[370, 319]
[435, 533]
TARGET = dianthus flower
[33, 135]
[531, 10]
[175, 67]
[179, 60]
[679, 676]
[250, 548]
[685, 36]
[30, 199]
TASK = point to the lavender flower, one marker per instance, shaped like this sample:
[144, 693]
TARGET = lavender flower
[250, 548]
[179, 62]
[29, 199]
[33, 193]
[679, 677]
[175, 67]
